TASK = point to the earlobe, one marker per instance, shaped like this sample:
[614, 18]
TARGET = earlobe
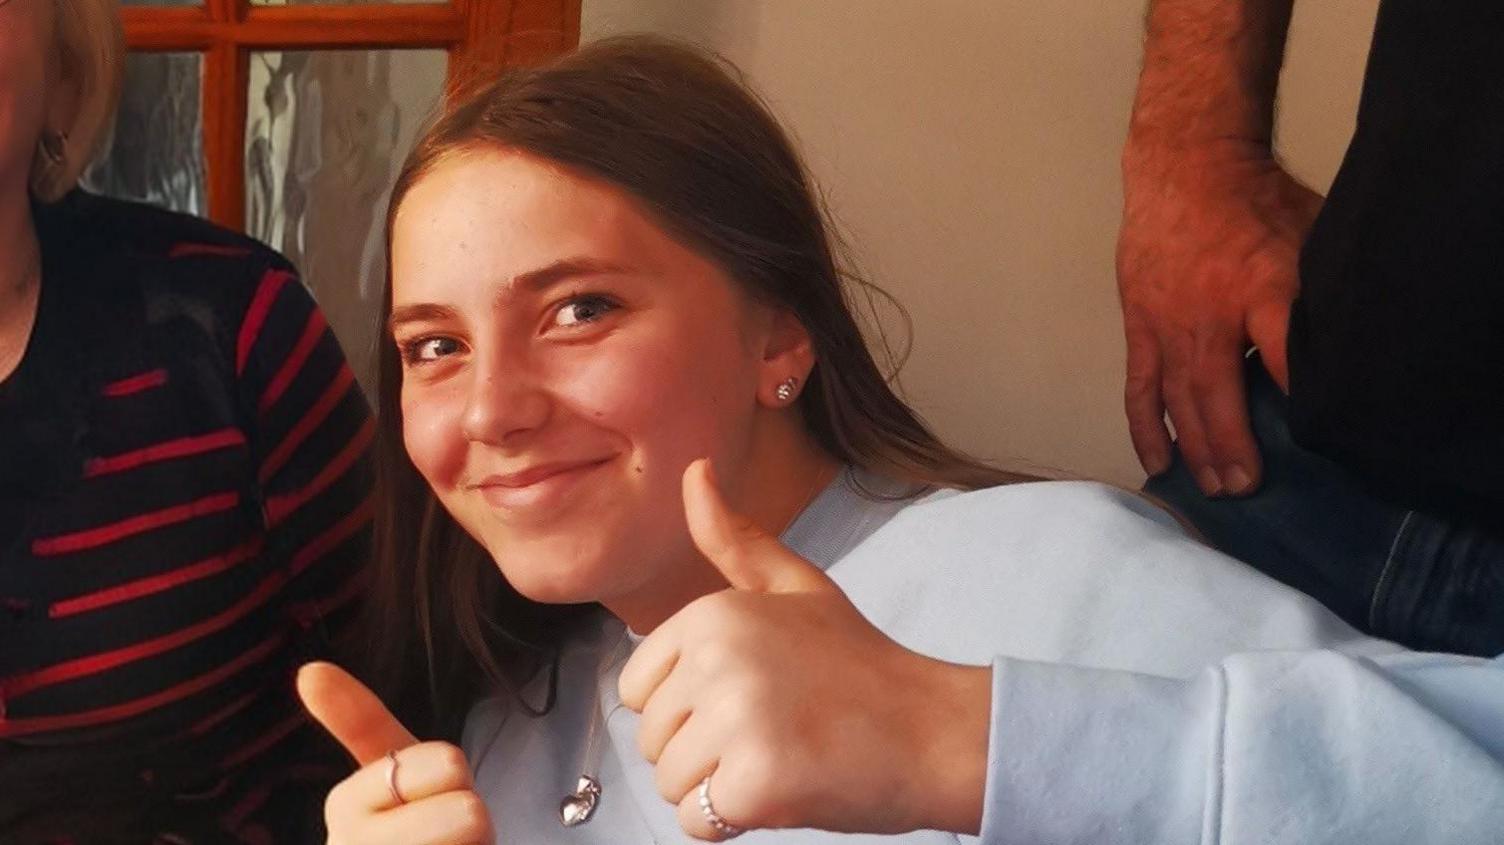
[787, 390]
[787, 361]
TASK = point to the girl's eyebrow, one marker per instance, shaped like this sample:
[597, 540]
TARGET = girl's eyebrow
[419, 312]
[532, 281]
[566, 268]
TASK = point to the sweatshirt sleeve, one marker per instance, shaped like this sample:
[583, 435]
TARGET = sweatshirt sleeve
[1265, 747]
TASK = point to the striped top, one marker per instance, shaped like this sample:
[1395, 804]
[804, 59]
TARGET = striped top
[184, 519]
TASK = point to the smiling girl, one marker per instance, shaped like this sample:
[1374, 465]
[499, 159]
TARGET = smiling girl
[609, 268]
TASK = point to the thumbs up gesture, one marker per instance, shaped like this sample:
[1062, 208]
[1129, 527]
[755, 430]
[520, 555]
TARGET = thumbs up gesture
[406, 792]
[795, 707]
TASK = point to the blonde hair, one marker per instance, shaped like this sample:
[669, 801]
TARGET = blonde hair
[92, 45]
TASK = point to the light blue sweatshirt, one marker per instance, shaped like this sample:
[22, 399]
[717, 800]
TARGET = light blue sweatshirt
[1145, 689]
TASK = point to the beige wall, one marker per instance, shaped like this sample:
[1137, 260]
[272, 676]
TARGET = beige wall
[969, 150]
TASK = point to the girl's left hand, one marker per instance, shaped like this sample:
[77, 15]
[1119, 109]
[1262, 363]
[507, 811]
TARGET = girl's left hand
[805, 714]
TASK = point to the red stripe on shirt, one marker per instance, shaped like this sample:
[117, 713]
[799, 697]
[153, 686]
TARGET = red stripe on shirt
[135, 384]
[180, 448]
[267, 740]
[313, 331]
[156, 583]
[333, 536]
[278, 508]
[19, 685]
[21, 727]
[254, 799]
[338, 387]
[255, 316]
[94, 537]
[203, 726]
[187, 250]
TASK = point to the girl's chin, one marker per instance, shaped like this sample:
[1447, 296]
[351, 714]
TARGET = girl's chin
[570, 586]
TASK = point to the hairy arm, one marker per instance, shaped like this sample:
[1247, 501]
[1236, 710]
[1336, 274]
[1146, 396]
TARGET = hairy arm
[1211, 68]
[1212, 228]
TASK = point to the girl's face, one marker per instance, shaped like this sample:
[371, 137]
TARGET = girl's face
[564, 361]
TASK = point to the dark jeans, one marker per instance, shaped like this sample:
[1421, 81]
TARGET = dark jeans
[1417, 579]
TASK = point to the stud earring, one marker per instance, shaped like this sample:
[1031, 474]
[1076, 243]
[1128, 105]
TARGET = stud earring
[785, 391]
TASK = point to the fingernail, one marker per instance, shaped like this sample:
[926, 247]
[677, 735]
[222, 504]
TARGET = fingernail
[1211, 483]
[1238, 481]
[1157, 464]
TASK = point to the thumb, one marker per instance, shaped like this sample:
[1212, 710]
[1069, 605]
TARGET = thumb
[1269, 329]
[351, 712]
[749, 557]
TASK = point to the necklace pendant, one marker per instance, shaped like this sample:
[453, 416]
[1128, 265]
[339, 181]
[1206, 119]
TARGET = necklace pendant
[578, 806]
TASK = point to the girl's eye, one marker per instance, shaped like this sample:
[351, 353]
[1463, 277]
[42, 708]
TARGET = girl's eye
[581, 310]
[429, 349]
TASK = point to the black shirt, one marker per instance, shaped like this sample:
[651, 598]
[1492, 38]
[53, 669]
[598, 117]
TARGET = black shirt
[1397, 340]
[184, 514]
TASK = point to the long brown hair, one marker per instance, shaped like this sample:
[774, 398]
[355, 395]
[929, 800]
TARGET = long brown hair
[678, 131]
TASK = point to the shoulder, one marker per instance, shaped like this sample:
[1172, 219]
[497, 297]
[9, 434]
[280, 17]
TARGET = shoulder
[1069, 571]
[1042, 508]
[170, 256]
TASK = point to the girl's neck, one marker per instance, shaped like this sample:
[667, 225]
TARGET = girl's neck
[18, 265]
[772, 494]
[20, 281]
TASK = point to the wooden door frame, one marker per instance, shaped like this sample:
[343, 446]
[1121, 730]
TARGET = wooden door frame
[480, 35]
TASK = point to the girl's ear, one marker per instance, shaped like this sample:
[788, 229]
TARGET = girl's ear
[787, 359]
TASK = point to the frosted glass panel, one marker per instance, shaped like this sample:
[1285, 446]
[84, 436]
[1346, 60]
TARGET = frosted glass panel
[156, 151]
[326, 134]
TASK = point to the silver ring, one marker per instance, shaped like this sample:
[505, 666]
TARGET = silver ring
[391, 779]
[721, 826]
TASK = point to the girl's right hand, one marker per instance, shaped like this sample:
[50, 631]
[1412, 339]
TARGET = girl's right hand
[434, 802]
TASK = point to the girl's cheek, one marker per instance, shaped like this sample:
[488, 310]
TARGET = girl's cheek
[636, 389]
[433, 436]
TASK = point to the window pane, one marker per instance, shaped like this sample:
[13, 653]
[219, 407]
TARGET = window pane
[156, 152]
[326, 134]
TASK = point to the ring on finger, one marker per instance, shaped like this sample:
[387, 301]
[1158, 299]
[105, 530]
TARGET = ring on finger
[391, 778]
[720, 825]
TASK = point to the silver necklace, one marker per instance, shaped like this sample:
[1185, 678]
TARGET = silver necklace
[579, 806]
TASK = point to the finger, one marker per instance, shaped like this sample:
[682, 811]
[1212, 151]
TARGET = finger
[748, 557]
[450, 818]
[664, 715]
[1269, 327]
[689, 757]
[649, 665]
[1222, 405]
[423, 770]
[352, 713]
[1189, 435]
[1141, 399]
[693, 818]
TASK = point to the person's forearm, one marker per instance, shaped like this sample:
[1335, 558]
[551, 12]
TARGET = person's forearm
[1211, 69]
[1265, 747]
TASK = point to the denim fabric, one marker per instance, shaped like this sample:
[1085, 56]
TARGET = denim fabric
[1421, 580]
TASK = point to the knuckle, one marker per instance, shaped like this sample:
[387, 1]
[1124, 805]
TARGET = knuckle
[337, 799]
[665, 782]
[1141, 387]
[713, 657]
[472, 811]
[451, 758]
[752, 775]
[1207, 378]
[647, 741]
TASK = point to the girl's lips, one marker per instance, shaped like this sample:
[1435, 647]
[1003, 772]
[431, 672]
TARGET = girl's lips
[544, 485]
